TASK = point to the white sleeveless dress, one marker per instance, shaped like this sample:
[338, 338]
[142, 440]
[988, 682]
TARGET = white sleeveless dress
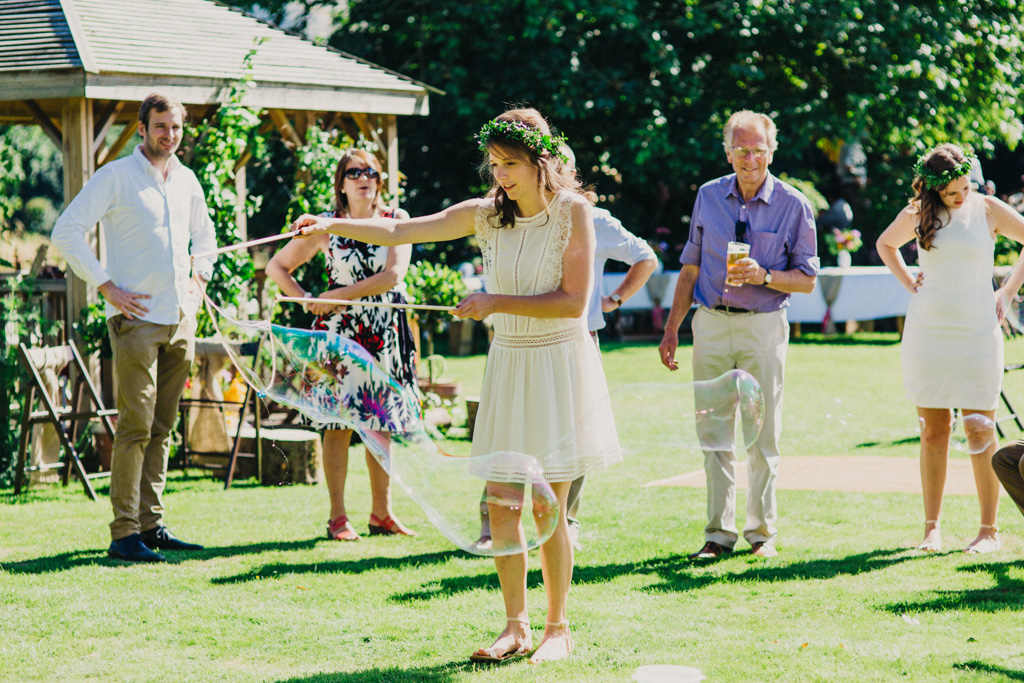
[952, 350]
[544, 391]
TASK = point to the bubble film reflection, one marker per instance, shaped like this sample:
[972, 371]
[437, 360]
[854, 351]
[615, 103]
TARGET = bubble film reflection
[331, 379]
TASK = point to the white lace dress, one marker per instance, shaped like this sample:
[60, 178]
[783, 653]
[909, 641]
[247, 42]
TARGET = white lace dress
[952, 350]
[544, 392]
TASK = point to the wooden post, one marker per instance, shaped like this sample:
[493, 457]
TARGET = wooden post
[391, 140]
[77, 137]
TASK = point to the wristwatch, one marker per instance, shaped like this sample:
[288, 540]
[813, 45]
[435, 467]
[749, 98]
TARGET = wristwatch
[617, 299]
[767, 276]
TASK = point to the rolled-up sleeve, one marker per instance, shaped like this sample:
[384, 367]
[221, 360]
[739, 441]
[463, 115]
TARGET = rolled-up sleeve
[203, 236]
[70, 232]
[691, 252]
[803, 254]
[620, 244]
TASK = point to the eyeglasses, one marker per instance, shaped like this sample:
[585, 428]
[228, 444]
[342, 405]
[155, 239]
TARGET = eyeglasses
[741, 231]
[357, 173]
[744, 152]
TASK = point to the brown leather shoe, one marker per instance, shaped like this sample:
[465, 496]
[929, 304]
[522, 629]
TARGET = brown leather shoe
[763, 549]
[710, 551]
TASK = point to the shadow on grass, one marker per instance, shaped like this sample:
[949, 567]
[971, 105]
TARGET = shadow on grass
[678, 574]
[368, 564]
[867, 339]
[896, 442]
[85, 558]
[434, 674]
[982, 667]
[1007, 594]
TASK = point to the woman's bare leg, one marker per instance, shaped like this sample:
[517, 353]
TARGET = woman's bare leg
[985, 480]
[507, 532]
[935, 430]
[556, 561]
[336, 443]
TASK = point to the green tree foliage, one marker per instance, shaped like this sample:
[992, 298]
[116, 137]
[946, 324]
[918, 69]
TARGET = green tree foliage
[642, 87]
[437, 285]
[11, 177]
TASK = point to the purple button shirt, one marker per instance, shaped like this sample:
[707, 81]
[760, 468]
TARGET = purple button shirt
[780, 231]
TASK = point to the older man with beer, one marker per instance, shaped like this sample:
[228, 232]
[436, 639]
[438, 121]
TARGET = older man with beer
[741, 320]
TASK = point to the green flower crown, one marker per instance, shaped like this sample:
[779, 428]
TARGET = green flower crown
[935, 181]
[524, 133]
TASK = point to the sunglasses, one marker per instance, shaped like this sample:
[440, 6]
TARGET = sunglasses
[357, 173]
[741, 231]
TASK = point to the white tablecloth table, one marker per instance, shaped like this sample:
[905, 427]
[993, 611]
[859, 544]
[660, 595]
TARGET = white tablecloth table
[856, 293]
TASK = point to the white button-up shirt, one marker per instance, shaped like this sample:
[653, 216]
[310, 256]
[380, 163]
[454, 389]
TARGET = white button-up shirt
[147, 224]
[612, 242]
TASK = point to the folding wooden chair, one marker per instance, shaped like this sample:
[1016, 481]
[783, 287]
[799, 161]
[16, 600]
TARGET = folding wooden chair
[241, 408]
[66, 418]
[1012, 412]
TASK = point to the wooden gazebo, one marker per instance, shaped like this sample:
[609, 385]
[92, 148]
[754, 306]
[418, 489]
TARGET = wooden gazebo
[80, 68]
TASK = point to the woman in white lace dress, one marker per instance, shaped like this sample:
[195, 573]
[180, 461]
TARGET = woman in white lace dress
[543, 378]
[952, 349]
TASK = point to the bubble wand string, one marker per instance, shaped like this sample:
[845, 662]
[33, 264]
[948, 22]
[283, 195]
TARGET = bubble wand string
[349, 302]
[245, 245]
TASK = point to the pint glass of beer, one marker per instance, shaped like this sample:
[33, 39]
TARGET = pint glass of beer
[734, 253]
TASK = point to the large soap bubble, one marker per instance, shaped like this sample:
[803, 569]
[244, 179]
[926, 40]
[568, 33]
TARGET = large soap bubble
[714, 415]
[331, 379]
[460, 502]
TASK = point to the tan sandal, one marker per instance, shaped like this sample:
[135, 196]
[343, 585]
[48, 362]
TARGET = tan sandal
[931, 546]
[484, 655]
[570, 645]
[985, 545]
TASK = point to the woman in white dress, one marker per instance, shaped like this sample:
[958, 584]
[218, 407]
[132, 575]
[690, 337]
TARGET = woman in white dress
[543, 377]
[952, 349]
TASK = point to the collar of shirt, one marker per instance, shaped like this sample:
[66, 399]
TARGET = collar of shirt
[764, 193]
[149, 169]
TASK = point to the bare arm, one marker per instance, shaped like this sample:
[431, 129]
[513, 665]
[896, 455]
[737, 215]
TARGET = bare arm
[290, 257]
[636, 277]
[899, 232]
[568, 301]
[452, 223]
[1005, 221]
[681, 303]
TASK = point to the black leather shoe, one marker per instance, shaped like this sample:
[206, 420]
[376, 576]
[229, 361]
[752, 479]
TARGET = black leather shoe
[132, 549]
[161, 537]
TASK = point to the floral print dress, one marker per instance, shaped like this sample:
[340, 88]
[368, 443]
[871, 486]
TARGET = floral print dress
[383, 332]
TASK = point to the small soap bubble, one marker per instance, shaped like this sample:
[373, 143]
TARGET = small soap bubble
[979, 434]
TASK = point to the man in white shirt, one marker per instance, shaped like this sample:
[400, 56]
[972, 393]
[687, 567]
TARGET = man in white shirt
[150, 208]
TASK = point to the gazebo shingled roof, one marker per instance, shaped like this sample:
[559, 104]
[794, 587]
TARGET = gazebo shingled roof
[78, 68]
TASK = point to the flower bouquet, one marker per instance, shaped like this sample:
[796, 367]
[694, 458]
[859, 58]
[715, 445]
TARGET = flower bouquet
[842, 243]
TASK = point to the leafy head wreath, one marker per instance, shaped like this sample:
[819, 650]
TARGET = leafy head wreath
[935, 181]
[524, 133]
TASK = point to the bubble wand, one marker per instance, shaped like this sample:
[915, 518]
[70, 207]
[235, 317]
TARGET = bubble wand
[246, 245]
[349, 302]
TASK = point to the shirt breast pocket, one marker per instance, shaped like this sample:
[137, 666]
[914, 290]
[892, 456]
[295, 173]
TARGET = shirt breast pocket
[769, 249]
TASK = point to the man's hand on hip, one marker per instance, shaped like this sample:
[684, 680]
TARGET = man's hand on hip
[123, 300]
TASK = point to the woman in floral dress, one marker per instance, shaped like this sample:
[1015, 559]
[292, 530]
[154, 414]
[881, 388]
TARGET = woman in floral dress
[357, 270]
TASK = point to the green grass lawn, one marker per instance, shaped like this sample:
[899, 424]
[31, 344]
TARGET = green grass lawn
[271, 600]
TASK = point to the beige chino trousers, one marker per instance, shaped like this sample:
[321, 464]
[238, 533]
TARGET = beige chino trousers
[151, 364]
[757, 343]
